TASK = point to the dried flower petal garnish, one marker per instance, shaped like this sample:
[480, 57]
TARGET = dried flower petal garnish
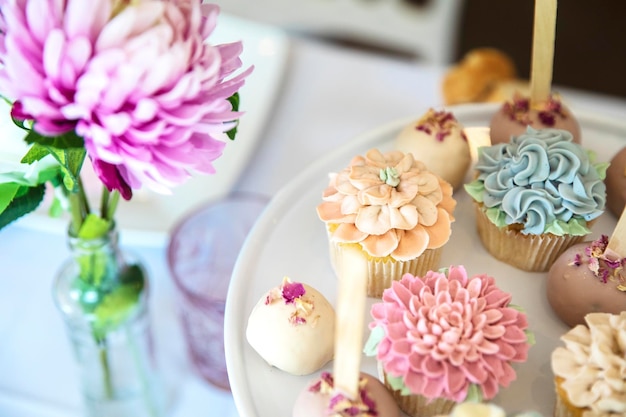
[342, 406]
[604, 268]
[440, 122]
[291, 293]
[518, 108]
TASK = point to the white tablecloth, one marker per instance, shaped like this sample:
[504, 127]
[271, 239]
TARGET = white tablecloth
[329, 95]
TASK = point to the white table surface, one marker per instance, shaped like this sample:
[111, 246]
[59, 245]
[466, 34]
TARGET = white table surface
[329, 95]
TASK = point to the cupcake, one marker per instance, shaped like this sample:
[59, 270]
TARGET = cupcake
[535, 197]
[590, 370]
[292, 328]
[446, 338]
[438, 140]
[584, 280]
[395, 211]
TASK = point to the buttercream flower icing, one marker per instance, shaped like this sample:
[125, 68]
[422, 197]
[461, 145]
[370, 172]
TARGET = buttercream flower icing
[448, 335]
[592, 365]
[541, 181]
[389, 204]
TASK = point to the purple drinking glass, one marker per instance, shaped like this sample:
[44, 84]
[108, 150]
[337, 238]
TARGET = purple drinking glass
[202, 251]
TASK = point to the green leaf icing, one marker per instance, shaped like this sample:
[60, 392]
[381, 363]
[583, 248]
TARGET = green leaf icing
[475, 189]
[371, 346]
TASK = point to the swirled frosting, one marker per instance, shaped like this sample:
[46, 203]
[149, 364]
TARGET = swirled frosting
[389, 204]
[541, 180]
[593, 365]
[450, 337]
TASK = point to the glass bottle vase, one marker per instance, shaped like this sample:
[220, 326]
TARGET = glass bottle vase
[103, 297]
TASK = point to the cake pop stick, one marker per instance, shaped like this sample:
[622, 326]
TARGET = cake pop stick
[616, 247]
[351, 297]
[477, 136]
[543, 51]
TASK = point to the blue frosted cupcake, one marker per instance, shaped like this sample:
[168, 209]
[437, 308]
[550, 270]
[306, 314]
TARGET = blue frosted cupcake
[535, 197]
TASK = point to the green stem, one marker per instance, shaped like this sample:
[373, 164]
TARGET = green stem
[76, 213]
[83, 197]
[106, 370]
[104, 202]
[115, 198]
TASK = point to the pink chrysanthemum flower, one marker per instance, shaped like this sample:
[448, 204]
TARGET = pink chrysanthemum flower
[136, 79]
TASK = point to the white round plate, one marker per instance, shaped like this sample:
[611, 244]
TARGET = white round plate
[290, 240]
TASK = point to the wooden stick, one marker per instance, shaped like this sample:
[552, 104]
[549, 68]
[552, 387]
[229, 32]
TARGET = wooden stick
[617, 243]
[543, 51]
[477, 136]
[351, 298]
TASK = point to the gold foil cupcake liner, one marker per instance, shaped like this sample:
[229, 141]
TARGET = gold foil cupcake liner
[383, 271]
[562, 406]
[416, 405]
[532, 253]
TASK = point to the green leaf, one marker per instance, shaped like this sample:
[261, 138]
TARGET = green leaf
[63, 141]
[8, 191]
[56, 208]
[35, 153]
[71, 161]
[120, 303]
[26, 200]
[94, 227]
[234, 102]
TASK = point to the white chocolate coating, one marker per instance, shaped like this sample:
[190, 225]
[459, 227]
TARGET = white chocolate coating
[448, 156]
[297, 348]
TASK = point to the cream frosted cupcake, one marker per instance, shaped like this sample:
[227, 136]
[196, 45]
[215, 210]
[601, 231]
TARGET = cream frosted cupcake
[396, 211]
[535, 197]
[590, 370]
[446, 338]
[292, 328]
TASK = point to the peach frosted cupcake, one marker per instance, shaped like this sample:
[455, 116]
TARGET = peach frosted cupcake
[590, 370]
[535, 197]
[394, 210]
[446, 338]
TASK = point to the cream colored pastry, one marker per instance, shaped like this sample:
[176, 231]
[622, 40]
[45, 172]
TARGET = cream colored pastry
[590, 370]
[292, 327]
[475, 76]
[437, 139]
[319, 399]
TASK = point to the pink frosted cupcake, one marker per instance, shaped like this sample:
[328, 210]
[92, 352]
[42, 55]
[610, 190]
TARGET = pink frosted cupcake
[446, 338]
[394, 210]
